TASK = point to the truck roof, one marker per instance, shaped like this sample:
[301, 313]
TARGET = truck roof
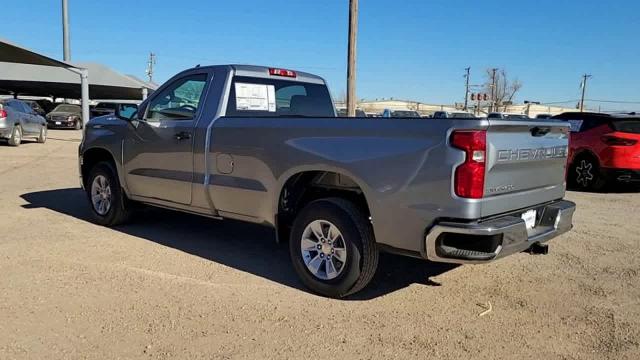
[263, 72]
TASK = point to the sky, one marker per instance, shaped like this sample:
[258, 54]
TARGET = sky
[407, 49]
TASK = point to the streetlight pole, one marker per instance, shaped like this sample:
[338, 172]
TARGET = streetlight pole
[351, 61]
[65, 31]
[466, 92]
[584, 90]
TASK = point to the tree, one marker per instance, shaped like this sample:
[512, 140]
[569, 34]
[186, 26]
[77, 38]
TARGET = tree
[506, 89]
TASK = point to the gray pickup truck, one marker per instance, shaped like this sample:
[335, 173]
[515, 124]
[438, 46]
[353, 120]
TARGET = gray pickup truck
[264, 145]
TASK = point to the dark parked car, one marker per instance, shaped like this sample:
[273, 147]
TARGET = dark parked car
[65, 116]
[343, 113]
[18, 120]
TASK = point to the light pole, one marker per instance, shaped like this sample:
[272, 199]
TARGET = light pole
[351, 58]
[466, 92]
[65, 31]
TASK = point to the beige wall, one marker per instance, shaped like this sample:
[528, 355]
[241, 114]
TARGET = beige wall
[427, 109]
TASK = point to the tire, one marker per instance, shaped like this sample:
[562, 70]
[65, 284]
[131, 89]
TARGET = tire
[356, 237]
[42, 137]
[78, 125]
[16, 136]
[103, 182]
[585, 174]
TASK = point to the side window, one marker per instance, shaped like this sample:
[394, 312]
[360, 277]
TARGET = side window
[179, 101]
[576, 125]
[127, 110]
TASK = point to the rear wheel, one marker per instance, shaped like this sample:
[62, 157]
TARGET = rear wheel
[332, 248]
[16, 136]
[584, 174]
[42, 137]
[109, 204]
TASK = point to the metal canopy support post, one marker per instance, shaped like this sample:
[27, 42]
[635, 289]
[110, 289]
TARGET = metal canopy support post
[84, 80]
[145, 93]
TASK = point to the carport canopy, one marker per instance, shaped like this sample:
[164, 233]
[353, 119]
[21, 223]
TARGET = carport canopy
[25, 72]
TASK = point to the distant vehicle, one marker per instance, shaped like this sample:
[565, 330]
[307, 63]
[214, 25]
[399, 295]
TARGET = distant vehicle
[400, 114]
[109, 108]
[507, 116]
[452, 115]
[35, 107]
[264, 145]
[603, 149]
[66, 116]
[544, 116]
[18, 120]
[343, 113]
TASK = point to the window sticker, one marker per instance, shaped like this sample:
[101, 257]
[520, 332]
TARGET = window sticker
[255, 97]
[575, 125]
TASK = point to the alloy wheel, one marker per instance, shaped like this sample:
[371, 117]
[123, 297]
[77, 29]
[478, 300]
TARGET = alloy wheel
[323, 249]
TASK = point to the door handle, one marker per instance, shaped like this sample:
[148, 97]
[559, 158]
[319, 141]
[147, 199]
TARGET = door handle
[183, 135]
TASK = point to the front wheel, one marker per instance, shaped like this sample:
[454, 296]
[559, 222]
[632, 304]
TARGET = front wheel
[42, 137]
[109, 204]
[332, 248]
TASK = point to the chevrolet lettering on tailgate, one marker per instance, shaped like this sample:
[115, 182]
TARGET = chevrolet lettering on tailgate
[532, 154]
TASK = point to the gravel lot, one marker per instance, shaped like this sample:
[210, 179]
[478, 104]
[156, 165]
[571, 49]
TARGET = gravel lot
[180, 286]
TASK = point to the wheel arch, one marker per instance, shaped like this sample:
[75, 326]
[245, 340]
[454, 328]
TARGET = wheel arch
[299, 187]
[93, 156]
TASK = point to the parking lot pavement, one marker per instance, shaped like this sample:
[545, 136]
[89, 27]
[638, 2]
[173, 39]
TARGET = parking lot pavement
[178, 286]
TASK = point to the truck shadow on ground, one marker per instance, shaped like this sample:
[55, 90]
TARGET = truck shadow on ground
[245, 247]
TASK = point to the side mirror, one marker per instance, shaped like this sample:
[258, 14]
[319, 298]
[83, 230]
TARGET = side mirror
[126, 111]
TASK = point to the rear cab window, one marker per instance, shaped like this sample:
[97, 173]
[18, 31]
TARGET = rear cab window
[266, 97]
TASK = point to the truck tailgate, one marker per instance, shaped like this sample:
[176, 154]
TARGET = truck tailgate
[525, 164]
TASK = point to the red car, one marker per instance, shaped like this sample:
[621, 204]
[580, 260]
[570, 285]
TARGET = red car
[603, 149]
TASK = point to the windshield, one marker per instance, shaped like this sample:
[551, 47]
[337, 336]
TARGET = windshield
[462, 115]
[67, 108]
[405, 114]
[515, 117]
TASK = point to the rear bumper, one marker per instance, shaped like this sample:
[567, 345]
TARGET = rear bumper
[486, 241]
[622, 175]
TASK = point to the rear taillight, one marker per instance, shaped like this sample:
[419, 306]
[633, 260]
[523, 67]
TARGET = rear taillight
[282, 72]
[3, 114]
[469, 177]
[613, 140]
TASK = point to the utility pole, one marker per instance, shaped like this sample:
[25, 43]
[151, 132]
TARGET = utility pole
[351, 58]
[150, 64]
[584, 90]
[466, 91]
[493, 89]
[65, 31]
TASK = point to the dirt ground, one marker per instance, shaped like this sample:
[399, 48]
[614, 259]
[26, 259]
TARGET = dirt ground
[180, 286]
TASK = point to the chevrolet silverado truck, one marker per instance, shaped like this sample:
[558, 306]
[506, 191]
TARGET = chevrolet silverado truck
[264, 145]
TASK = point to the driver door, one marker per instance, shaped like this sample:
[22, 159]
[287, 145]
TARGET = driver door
[158, 153]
